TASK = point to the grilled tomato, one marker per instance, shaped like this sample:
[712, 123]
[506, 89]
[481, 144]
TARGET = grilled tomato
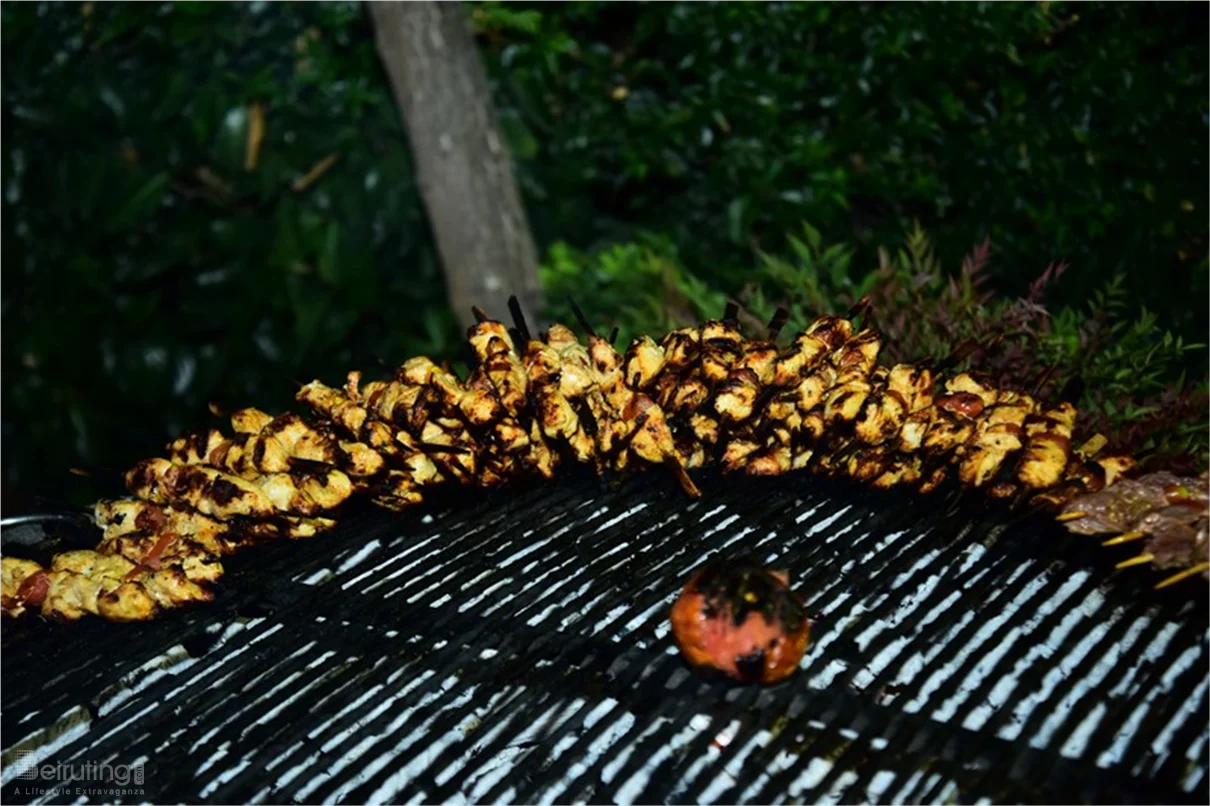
[737, 617]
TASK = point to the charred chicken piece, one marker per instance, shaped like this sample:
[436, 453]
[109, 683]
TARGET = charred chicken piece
[681, 347]
[721, 346]
[336, 406]
[998, 434]
[494, 348]
[740, 619]
[224, 496]
[23, 584]
[274, 448]
[645, 360]
[905, 391]
[555, 412]
[1049, 447]
[87, 582]
[821, 338]
[753, 371]
[854, 364]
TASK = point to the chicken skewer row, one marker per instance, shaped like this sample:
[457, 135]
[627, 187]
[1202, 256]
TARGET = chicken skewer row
[822, 403]
[157, 553]
[170, 552]
[996, 432]
[972, 426]
[979, 427]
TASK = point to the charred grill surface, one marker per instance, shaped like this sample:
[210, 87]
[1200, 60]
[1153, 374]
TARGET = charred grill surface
[517, 650]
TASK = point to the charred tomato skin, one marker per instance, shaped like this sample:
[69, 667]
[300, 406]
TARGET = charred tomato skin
[737, 617]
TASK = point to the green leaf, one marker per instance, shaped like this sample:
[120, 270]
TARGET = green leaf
[329, 256]
[813, 236]
[521, 141]
[141, 203]
[737, 212]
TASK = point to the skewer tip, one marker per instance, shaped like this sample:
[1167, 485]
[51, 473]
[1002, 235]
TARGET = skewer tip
[479, 314]
[1124, 538]
[581, 318]
[1093, 446]
[514, 308]
[682, 476]
[859, 307]
[1071, 516]
[1200, 568]
[613, 336]
[1142, 559]
[780, 317]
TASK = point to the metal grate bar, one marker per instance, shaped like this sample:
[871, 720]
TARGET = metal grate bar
[1178, 764]
[1157, 681]
[989, 733]
[1079, 710]
[846, 712]
[1015, 591]
[975, 698]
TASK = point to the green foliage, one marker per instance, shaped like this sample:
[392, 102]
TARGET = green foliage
[150, 267]
[1057, 130]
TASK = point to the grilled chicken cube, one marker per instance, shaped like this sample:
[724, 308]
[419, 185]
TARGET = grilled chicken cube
[681, 347]
[645, 360]
[1048, 448]
[721, 344]
[78, 579]
[23, 583]
[250, 421]
[998, 434]
[335, 405]
[821, 337]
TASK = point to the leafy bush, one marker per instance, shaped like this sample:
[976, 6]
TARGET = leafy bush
[1054, 129]
[205, 200]
[158, 255]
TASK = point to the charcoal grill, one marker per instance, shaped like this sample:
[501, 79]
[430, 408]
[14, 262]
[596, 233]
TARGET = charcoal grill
[516, 649]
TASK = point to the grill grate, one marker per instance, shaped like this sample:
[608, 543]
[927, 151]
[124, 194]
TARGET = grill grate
[519, 650]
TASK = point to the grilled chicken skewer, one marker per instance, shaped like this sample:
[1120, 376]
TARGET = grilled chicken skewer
[697, 396]
[79, 583]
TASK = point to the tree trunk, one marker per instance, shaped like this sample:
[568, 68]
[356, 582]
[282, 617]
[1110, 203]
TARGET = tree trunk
[462, 163]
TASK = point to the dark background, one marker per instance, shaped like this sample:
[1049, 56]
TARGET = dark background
[669, 154]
